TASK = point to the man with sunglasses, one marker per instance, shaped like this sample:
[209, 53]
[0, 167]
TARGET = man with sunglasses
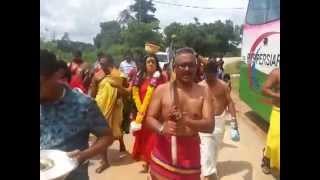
[221, 99]
[179, 110]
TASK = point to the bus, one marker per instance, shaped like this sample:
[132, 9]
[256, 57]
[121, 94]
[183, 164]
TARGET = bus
[163, 58]
[260, 53]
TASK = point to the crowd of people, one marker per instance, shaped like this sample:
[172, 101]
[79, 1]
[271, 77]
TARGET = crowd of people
[178, 121]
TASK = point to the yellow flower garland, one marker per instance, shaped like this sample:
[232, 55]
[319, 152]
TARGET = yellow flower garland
[136, 97]
[146, 101]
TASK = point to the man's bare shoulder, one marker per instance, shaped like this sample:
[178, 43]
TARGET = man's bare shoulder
[275, 72]
[274, 75]
[203, 83]
[202, 88]
[223, 84]
[162, 88]
[197, 85]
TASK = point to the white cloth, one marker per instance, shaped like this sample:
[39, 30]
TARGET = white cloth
[126, 67]
[210, 146]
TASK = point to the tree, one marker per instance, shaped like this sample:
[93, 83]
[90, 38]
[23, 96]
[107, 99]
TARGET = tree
[142, 8]
[109, 34]
[125, 17]
[196, 20]
[213, 39]
[172, 29]
[137, 34]
[65, 37]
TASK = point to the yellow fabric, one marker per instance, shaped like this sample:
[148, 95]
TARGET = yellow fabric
[109, 103]
[273, 139]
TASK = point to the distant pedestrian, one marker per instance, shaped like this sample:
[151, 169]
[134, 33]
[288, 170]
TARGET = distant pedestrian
[128, 64]
[227, 79]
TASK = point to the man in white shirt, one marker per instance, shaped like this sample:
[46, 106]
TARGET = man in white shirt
[127, 65]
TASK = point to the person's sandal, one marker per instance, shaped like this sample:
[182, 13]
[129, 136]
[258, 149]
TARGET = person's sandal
[145, 168]
[265, 166]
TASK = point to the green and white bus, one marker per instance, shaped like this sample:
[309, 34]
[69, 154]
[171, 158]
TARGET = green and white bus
[260, 52]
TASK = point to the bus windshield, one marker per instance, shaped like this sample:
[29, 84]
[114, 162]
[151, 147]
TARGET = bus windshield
[262, 11]
[162, 57]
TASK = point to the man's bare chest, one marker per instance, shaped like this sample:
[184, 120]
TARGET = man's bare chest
[186, 103]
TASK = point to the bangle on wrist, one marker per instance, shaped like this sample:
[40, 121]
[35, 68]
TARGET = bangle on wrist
[160, 129]
[234, 124]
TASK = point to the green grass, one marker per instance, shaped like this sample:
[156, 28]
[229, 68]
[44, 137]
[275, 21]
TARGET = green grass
[233, 68]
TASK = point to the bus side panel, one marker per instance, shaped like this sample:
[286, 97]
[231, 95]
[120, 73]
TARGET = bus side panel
[253, 43]
[254, 98]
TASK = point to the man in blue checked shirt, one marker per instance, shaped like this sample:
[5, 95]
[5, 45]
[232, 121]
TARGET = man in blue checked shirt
[67, 117]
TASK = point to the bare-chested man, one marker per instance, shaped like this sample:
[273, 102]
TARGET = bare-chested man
[210, 142]
[179, 110]
[271, 159]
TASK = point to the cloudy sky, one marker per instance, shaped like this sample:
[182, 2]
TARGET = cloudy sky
[81, 18]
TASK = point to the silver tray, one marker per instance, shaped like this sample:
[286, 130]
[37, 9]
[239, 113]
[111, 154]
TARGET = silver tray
[60, 165]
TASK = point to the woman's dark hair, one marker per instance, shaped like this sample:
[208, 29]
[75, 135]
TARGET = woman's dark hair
[143, 70]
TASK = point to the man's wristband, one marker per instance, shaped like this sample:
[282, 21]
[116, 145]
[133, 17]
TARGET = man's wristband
[161, 129]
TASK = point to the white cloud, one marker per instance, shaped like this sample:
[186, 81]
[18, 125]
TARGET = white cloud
[81, 18]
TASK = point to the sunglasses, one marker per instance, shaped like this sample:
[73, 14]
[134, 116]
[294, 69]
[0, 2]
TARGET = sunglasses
[183, 66]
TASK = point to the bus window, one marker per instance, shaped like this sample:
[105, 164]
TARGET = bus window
[256, 13]
[162, 58]
[274, 10]
[262, 11]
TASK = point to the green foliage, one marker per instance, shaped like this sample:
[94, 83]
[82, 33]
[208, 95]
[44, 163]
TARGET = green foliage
[172, 29]
[143, 10]
[117, 51]
[137, 34]
[131, 33]
[234, 52]
[109, 34]
[213, 39]
[87, 53]
[89, 56]
[125, 17]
